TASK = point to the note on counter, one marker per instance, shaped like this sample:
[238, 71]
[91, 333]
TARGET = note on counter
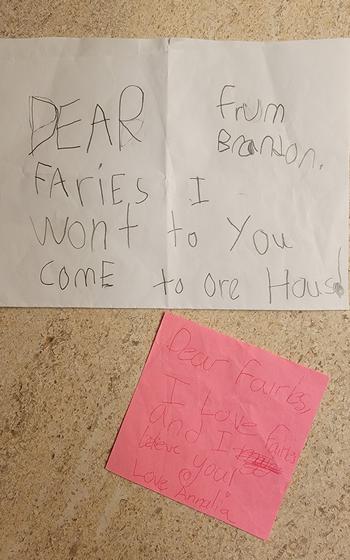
[174, 173]
[217, 424]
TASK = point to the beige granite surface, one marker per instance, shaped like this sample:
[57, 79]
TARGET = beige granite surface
[66, 376]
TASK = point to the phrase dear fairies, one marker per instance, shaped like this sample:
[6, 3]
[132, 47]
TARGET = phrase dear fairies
[217, 424]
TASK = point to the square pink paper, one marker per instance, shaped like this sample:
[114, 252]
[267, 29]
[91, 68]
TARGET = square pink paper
[217, 424]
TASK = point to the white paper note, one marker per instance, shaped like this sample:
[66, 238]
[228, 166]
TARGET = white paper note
[181, 173]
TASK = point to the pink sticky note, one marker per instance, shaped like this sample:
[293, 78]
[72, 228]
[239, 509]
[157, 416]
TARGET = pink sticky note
[217, 424]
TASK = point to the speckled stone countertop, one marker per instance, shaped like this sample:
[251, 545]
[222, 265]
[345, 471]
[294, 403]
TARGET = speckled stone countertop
[67, 375]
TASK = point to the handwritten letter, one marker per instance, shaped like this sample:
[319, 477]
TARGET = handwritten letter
[180, 173]
[217, 424]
